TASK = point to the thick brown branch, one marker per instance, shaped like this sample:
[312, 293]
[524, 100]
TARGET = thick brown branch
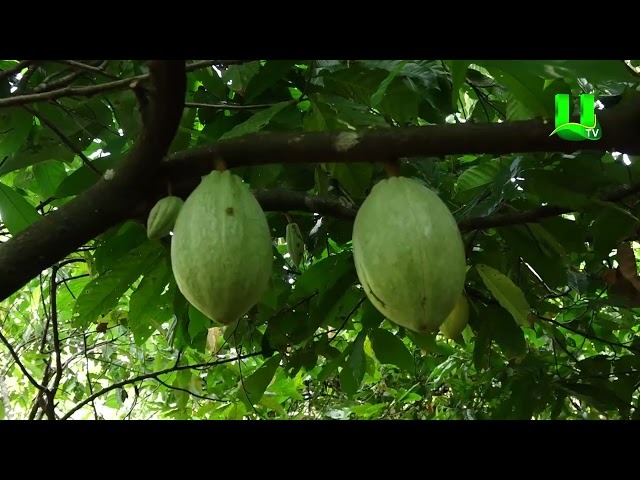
[619, 127]
[110, 200]
[287, 200]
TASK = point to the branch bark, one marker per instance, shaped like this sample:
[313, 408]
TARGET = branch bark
[138, 182]
[619, 126]
[111, 199]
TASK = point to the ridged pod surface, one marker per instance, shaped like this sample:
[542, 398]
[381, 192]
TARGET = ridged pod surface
[409, 254]
[162, 217]
[221, 251]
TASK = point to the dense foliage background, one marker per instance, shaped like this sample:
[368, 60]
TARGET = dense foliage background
[550, 235]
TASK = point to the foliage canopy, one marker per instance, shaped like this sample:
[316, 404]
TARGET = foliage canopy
[98, 328]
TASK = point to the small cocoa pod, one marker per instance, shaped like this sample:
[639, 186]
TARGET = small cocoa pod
[295, 243]
[163, 217]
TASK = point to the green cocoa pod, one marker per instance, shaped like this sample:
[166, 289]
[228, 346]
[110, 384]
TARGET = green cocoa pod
[457, 320]
[163, 217]
[221, 250]
[295, 243]
[409, 254]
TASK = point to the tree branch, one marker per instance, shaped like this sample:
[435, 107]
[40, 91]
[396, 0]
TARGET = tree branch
[63, 138]
[127, 195]
[224, 106]
[87, 91]
[379, 144]
[16, 358]
[154, 375]
[111, 199]
[51, 394]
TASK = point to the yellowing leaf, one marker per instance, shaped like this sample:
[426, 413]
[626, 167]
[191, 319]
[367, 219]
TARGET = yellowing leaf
[507, 293]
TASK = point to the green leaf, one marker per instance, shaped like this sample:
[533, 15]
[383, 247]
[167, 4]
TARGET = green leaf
[592, 70]
[353, 371]
[347, 113]
[378, 95]
[479, 175]
[16, 212]
[272, 72]
[321, 117]
[507, 293]
[15, 125]
[313, 279]
[502, 329]
[212, 82]
[600, 397]
[458, 77]
[389, 349]
[84, 177]
[525, 87]
[545, 258]
[149, 305]
[609, 228]
[117, 242]
[254, 386]
[102, 294]
[549, 187]
[182, 140]
[198, 322]
[240, 75]
[49, 175]
[257, 122]
[370, 315]
[355, 178]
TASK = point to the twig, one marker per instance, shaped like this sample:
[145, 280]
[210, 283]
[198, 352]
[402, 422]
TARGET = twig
[588, 335]
[153, 375]
[49, 85]
[15, 69]
[22, 368]
[64, 139]
[88, 68]
[180, 389]
[51, 394]
[24, 81]
[225, 106]
[93, 404]
[88, 91]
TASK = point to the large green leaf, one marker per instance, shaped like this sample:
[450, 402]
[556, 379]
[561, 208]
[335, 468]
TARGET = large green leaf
[15, 125]
[257, 122]
[390, 349]
[378, 95]
[507, 293]
[252, 388]
[103, 293]
[149, 304]
[272, 72]
[49, 176]
[16, 212]
[592, 70]
[458, 77]
[353, 370]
